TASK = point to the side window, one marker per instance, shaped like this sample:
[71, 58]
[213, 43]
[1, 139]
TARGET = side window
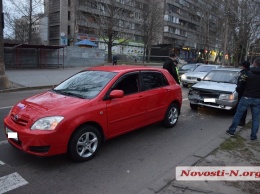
[152, 80]
[129, 84]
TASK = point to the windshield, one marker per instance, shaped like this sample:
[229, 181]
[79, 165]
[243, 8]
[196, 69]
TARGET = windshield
[204, 68]
[86, 84]
[222, 76]
[188, 67]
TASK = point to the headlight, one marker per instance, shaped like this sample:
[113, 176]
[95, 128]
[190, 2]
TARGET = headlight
[183, 76]
[193, 92]
[226, 97]
[47, 123]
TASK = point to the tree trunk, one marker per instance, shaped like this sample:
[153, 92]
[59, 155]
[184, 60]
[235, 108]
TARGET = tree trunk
[4, 83]
[144, 53]
[225, 43]
[109, 51]
[30, 24]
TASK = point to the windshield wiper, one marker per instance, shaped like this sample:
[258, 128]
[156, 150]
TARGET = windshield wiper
[67, 92]
[210, 80]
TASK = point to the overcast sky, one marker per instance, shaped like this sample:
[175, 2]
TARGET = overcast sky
[14, 12]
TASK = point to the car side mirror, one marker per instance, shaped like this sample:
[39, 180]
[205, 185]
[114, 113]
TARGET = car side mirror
[199, 79]
[116, 94]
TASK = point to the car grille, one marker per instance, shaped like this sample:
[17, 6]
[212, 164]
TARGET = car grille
[20, 120]
[191, 78]
[208, 94]
[40, 149]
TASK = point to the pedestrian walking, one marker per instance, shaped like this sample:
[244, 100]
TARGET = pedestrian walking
[250, 98]
[171, 65]
[114, 60]
[245, 65]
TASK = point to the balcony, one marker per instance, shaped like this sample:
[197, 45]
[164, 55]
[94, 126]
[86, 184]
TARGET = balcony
[174, 36]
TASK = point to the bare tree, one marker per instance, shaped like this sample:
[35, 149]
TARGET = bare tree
[211, 28]
[113, 21]
[20, 17]
[243, 21]
[152, 25]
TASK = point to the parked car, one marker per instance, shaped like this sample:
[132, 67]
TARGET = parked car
[216, 90]
[94, 105]
[190, 78]
[187, 68]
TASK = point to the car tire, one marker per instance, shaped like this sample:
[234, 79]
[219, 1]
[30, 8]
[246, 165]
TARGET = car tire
[84, 143]
[171, 116]
[194, 106]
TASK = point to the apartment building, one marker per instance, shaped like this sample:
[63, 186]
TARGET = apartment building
[39, 29]
[189, 26]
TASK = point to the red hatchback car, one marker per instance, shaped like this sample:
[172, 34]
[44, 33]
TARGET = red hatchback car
[93, 105]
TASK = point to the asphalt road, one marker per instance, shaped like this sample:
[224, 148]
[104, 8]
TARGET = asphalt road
[142, 161]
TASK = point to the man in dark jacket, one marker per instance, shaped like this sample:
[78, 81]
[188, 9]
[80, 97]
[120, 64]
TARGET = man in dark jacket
[250, 98]
[171, 65]
[114, 59]
[241, 85]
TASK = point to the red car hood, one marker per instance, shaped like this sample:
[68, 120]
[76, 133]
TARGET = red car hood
[47, 103]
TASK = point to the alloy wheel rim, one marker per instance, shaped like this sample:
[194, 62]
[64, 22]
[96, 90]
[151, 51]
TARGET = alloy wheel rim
[87, 144]
[173, 115]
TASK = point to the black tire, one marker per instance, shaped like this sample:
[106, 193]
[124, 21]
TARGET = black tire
[84, 143]
[171, 116]
[194, 106]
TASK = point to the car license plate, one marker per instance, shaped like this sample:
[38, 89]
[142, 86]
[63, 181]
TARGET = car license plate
[209, 100]
[11, 134]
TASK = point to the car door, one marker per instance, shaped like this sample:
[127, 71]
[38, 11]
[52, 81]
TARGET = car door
[127, 113]
[155, 94]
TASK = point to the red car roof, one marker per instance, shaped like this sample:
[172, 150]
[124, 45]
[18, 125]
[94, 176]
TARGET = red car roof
[120, 68]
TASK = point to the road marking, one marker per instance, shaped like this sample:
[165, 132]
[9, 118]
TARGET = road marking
[1, 163]
[11, 181]
[3, 142]
[5, 107]
[184, 99]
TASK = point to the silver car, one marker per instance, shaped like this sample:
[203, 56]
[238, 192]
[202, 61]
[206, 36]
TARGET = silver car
[190, 78]
[217, 90]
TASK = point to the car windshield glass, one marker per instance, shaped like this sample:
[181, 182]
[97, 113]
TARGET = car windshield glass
[222, 76]
[188, 67]
[204, 68]
[86, 84]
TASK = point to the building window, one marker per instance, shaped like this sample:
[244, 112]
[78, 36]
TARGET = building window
[69, 3]
[68, 15]
[68, 30]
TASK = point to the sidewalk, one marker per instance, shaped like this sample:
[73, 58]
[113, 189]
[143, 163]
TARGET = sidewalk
[235, 151]
[33, 78]
[42, 78]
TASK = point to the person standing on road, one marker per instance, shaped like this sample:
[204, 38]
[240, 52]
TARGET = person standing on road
[114, 59]
[171, 65]
[250, 98]
[241, 86]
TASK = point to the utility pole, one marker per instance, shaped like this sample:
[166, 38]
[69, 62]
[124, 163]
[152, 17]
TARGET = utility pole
[4, 82]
